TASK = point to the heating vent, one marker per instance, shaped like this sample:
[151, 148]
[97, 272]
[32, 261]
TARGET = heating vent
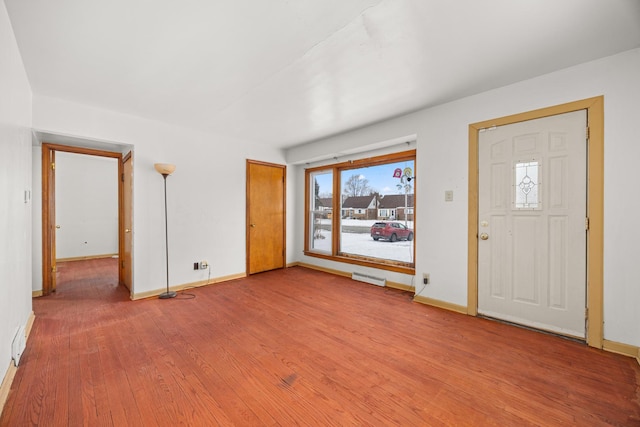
[18, 345]
[379, 281]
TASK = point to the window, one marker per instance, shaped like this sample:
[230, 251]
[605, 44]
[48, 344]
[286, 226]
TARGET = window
[320, 225]
[364, 192]
[526, 194]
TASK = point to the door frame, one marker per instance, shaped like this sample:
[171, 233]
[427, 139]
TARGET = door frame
[49, 206]
[595, 207]
[124, 215]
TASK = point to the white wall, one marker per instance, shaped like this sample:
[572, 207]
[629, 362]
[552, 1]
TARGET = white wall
[86, 205]
[442, 162]
[15, 179]
[206, 193]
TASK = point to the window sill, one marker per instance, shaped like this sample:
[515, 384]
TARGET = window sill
[367, 262]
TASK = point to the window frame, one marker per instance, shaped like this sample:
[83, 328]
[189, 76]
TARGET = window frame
[335, 254]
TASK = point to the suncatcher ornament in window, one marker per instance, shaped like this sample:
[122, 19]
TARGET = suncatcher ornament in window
[527, 185]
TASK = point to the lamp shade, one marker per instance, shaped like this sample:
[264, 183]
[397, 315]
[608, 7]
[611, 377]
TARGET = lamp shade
[165, 168]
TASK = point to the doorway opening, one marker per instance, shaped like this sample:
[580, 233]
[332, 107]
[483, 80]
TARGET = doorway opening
[90, 232]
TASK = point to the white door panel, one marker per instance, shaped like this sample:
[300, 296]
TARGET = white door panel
[532, 207]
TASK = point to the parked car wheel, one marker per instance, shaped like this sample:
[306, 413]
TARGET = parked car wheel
[410, 237]
[393, 237]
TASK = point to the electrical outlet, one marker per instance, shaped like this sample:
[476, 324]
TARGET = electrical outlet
[200, 265]
[425, 278]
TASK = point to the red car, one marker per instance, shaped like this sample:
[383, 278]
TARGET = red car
[391, 231]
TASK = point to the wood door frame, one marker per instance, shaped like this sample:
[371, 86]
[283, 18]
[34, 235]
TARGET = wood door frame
[48, 219]
[595, 207]
[121, 218]
[49, 204]
[247, 211]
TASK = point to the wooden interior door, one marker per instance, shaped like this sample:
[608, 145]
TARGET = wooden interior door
[265, 228]
[126, 270]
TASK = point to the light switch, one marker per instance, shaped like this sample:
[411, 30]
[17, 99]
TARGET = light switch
[448, 196]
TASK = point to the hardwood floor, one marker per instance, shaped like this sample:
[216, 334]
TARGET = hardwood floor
[299, 347]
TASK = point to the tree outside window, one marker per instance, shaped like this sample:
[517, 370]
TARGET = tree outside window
[375, 190]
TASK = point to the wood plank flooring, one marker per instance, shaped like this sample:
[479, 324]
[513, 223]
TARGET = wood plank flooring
[298, 347]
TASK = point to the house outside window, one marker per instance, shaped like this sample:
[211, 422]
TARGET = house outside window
[371, 190]
[319, 229]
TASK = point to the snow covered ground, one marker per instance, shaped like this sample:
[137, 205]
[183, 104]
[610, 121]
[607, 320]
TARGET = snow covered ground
[363, 244]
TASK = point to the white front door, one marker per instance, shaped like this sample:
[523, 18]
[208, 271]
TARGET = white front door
[531, 223]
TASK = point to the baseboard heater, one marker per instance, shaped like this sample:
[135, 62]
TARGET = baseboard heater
[378, 281]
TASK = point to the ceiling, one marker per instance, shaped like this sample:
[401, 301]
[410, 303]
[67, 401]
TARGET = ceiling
[286, 72]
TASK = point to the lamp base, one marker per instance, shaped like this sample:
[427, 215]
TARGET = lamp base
[167, 295]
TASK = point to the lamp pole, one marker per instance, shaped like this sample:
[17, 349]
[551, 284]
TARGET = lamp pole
[168, 293]
[165, 170]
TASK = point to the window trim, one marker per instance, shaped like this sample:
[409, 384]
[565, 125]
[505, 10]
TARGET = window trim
[337, 168]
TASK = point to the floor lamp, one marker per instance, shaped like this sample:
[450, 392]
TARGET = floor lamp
[166, 169]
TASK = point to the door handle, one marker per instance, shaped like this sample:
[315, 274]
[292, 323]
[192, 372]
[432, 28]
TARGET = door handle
[126, 230]
[253, 225]
[57, 226]
[484, 236]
